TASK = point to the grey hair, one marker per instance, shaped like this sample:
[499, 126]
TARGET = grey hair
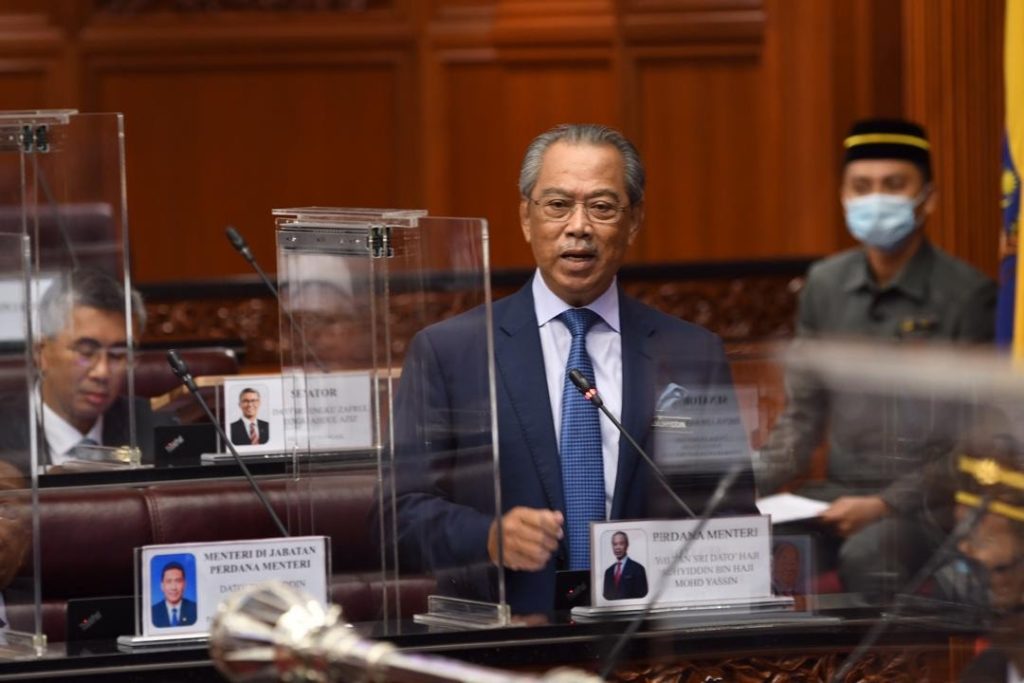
[84, 287]
[584, 134]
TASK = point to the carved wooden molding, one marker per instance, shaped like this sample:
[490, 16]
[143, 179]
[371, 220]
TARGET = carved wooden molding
[888, 666]
[693, 21]
[129, 7]
[740, 309]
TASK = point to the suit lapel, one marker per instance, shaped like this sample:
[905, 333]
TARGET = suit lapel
[520, 362]
[637, 394]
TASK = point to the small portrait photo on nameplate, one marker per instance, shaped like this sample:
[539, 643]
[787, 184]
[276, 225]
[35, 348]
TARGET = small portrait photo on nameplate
[793, 567]
[172, 594]
[254, 413]
[622, 557]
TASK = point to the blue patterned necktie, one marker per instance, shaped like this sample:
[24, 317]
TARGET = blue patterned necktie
[174, 617]
[582, 461]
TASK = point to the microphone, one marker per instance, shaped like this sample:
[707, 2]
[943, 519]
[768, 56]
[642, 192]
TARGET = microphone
[180, 369]
[725, 483]
[590, 393]
[242, 247]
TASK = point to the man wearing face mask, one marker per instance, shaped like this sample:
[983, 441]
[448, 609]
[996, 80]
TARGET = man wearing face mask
[896, 287]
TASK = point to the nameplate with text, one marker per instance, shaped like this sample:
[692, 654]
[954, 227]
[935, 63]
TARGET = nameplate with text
[182, 584]
[316, 412]
[638, 561]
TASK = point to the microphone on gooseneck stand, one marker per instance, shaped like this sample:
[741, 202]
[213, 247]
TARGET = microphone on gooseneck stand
[181, 370]
[242, 247]
[590, 393]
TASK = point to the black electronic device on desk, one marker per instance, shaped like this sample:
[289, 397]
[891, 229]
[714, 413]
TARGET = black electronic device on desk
[183, 445]
[100, 618]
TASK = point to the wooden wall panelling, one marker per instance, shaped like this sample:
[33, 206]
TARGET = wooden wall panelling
[438, 99]
[953, 75]
[530, 66]
[694, 75]
[224, 132]
[35, 59]
[698, 130]
[867, 58]
[801, 212]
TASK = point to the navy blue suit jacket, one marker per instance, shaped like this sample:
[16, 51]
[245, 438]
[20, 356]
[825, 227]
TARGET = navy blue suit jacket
[632, 583]
[445, 495]
[187, 614]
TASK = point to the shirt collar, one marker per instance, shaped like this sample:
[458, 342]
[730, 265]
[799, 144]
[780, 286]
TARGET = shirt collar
[912, 280]
[62, 436]
[549, 306]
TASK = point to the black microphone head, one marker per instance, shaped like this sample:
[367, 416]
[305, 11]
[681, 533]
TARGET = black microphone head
[581, 382]
[178, 366]
[237, 241]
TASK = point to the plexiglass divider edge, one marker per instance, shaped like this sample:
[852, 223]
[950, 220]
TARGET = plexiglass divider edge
[359, 284]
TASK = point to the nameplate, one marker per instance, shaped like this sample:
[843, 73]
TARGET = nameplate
[12, 304]
[281, 413]
[329, 411]
[182, 584]
[634, 562]
[696, 432]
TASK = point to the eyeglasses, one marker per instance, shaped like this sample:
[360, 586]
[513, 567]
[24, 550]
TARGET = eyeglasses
[562, 209]
[87, 353]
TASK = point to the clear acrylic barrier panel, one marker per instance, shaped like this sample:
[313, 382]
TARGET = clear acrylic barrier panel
[895, 476]
[359, 287]
[22, 634]
[69, 367]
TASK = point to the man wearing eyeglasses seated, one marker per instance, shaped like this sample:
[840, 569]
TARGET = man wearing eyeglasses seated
[82, 357]
[563, 465]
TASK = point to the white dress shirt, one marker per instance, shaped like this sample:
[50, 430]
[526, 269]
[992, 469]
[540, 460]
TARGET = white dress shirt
[170, 612]
[62, 436]
[604, 345]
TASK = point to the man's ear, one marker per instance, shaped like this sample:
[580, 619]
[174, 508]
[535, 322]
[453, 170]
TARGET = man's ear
[524, 217]
[931, 202]
[39, 355]
[636, 221]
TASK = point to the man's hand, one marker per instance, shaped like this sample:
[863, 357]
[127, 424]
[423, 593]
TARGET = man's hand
[530, 536]
[850, 514]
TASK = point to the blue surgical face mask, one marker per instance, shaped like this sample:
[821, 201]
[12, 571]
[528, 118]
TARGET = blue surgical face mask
[883, 221]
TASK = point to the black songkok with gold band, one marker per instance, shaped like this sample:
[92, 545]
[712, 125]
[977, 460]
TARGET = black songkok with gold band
[889, 139]
[1004, 483]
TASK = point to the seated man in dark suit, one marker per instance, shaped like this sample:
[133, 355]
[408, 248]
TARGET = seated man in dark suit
[175, 609]
[562, 465]
[248, 430]
[82, 357]
[626, 578]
